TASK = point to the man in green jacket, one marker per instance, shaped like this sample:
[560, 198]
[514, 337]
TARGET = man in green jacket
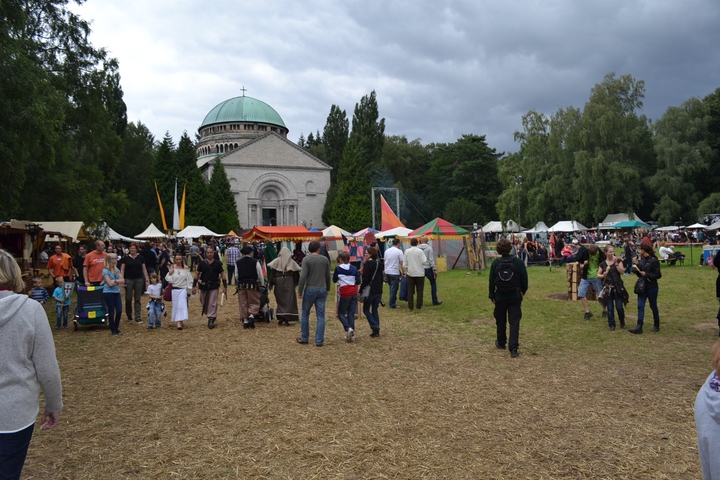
[508, 284]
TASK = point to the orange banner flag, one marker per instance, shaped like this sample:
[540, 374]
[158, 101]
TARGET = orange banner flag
[389, 219]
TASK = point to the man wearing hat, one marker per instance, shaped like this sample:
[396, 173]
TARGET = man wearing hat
[249, 276]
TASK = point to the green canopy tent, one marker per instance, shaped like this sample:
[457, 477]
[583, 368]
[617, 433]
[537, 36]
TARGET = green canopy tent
[632, 224]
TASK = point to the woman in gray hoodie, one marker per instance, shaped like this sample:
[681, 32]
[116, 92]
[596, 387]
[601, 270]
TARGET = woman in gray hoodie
[27, 358]
[707, 420]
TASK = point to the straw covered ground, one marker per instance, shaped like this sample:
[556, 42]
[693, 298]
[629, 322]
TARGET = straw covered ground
[431, 398]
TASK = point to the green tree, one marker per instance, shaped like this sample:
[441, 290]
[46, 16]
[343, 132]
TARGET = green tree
[223, 201]
[466, 169]
[199, 207]
[684, 157]
[335, 137]
[134, 178]
[709, 205]
[164, 171]
[63, 115]
[352, 205]
[464, 212]
[616, 149]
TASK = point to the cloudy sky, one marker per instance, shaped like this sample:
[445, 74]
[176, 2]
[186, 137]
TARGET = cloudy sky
[440, 68]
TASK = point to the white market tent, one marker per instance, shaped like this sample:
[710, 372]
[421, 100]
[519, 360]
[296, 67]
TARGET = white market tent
[671, 228]
[697, 225]
[74, 230]
[151, 232]
[567, 226]
[539, 227]
[113, 235]
[335, 232]
[492, 227]
[714, 226]
[394, 232]
[194, 231]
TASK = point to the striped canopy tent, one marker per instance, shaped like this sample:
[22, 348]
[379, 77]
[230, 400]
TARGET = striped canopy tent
[281, 234]
[363, 232]
[440, 229]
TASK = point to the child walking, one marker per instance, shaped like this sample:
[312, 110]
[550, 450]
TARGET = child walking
[38, 292]
[348, 278]
[155, 308]
[62, 303]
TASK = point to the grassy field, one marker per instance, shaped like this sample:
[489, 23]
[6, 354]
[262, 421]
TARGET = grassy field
[431, 398]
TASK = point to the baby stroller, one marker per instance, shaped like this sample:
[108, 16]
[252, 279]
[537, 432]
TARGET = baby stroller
[266, 312]
[90, 307]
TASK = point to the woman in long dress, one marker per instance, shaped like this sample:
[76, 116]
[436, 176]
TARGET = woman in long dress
[182, 280]
[283, 276]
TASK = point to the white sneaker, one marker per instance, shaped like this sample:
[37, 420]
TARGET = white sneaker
[351, 335]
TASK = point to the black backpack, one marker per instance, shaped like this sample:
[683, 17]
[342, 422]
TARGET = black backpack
[507, 279]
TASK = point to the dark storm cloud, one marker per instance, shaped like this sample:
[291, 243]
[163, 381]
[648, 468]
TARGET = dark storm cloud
[440, 69]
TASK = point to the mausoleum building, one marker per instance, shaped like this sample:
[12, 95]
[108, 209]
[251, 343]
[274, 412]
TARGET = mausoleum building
[275, 182]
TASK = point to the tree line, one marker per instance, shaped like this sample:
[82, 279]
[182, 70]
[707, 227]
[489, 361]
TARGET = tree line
[579, 164]
[67, 151]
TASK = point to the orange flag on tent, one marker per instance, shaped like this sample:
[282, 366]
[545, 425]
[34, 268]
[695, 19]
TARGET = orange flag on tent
[389, 219]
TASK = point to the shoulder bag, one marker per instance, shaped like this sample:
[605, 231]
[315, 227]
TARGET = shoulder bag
[365, 294]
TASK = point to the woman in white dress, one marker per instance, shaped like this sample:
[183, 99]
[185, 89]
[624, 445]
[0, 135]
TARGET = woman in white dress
[181, 279]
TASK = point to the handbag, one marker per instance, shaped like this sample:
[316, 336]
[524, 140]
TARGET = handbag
[641, 286]
[365, 292]
[167, 294]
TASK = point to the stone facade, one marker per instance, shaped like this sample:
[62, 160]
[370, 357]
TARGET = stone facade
[274, 182]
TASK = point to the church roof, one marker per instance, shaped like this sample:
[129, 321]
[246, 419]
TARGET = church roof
[243, 109]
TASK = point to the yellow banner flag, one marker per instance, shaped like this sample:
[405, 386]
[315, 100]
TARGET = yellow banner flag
[162, 211]
[182, 207]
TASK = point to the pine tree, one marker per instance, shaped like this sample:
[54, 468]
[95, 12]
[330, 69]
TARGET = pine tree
[198, 207]
[164, 171]
[225, 209]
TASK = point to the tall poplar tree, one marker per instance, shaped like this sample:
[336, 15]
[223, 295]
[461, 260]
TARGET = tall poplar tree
[224, 212]
[335, 137]
[352, 206]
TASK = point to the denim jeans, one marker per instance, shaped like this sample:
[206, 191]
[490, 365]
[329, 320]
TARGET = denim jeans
[347, 308]
[430, 275]
[651, 295]
[155, 314]
[370, 309]
[317, 297]
[13, 450]
[394, 282]
[62, 315]
[113, 304]
[614, 299]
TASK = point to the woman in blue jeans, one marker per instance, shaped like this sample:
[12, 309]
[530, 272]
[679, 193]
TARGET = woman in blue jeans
[648, 267]
[611, 270]
[373, 276]
[112, 282]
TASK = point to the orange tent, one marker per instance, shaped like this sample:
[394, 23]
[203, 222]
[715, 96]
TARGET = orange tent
[283, 234]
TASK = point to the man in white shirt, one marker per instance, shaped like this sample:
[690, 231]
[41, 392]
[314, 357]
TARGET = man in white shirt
[415, 272]
[393, 269]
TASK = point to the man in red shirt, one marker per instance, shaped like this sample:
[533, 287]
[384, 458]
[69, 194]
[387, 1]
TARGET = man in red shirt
[60, 264]
[94, 264]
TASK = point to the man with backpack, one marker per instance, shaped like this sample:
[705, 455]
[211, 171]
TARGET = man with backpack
[508, 284]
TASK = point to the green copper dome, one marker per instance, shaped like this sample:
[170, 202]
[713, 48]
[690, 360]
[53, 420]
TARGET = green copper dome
[243, 109]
